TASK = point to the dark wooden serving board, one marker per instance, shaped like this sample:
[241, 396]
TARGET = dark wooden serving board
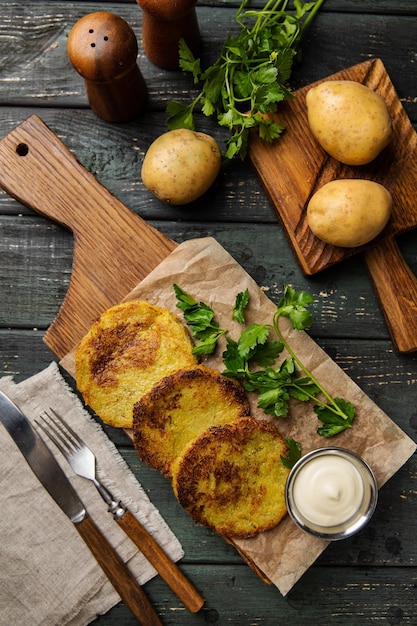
[294, 167]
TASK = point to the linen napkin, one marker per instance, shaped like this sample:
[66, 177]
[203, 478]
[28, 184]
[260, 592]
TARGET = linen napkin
[48, 576]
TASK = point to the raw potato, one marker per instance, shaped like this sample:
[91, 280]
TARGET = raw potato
[349, 212]
[181, 165]
[349, 120]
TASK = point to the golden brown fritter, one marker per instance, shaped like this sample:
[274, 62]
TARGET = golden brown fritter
[131, 347]
[231, 478]
[181, 407]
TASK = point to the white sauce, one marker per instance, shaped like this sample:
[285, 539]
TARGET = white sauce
[328, 490]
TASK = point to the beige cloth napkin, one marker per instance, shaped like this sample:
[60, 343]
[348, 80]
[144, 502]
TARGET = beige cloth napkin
[47, 574]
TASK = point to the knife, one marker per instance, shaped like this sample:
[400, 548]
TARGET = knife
[52, 477]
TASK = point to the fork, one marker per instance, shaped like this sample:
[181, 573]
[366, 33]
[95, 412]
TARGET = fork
[83, 462]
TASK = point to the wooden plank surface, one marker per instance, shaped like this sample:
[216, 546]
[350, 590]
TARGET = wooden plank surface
[370, 578]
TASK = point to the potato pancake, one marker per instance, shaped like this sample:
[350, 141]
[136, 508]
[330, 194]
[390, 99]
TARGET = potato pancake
[131, 347]
[180, 407]
[231, 478]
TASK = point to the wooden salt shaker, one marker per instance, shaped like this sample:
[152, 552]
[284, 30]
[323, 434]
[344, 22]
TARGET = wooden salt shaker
[164, 24]
[103, 49]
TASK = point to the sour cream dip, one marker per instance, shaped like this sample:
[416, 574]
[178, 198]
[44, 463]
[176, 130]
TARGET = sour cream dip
[331, 493]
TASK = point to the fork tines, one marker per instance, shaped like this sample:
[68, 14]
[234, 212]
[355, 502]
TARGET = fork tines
[57, 429]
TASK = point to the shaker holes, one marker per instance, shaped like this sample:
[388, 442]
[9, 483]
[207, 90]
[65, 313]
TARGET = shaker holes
[91, 31]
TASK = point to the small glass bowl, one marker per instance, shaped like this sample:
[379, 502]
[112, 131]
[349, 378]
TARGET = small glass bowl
[354, 522]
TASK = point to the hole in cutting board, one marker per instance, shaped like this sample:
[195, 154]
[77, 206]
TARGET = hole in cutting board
[22, 149]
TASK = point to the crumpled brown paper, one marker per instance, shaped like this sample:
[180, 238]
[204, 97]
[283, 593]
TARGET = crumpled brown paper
[208, 273]
[48, 576]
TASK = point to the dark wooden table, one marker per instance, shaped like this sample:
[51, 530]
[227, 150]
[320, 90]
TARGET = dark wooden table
[368, 579]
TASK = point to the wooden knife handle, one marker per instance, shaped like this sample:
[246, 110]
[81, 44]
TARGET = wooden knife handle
[396, 288]
[163, 564]
[118, 574]
[114, 249]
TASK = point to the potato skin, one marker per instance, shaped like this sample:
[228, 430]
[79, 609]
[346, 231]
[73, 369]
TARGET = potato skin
[350, 121]
[181, 165]
[349, 212]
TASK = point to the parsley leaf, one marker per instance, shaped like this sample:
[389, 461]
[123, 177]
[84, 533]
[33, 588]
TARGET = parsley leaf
[200, 320]
[252, 336]
[276, 386]
[293, 453]
[334, 424]
[267, 353]
[241, 302]
[294, 306]
[234, 362]
[242, 89]
[187, 61]
[181, 115]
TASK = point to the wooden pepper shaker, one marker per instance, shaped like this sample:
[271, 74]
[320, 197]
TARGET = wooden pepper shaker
[164, 24]
[103, 49]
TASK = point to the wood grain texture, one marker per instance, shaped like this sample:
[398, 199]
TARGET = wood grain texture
[168, 570]
[113, 248]
[237, 599]
[294, 168]
[118, 573]
[36, 68]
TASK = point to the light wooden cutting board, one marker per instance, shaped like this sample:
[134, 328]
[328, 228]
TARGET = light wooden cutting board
[114, 249]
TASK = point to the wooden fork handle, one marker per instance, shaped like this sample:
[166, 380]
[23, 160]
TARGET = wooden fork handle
[163, 564]
[118, 574]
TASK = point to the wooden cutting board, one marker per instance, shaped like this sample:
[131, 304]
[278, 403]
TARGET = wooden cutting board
[114, 249]
[294, 167]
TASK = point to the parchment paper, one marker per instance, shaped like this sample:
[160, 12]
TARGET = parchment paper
[207, 272]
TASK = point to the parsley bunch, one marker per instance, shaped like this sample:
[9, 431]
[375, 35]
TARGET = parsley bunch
[253, 356]
[249, 78]
[276, 385]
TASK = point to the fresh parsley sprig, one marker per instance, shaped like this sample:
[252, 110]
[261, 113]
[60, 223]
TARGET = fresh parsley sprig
[336, 414]
[249, 79]
[200, 319]
[276, 385]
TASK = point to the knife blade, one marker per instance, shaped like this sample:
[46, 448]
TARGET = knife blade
[52, 477]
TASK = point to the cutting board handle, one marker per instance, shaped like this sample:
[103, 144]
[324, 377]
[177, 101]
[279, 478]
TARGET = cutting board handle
[396, 288]
[114, 249]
